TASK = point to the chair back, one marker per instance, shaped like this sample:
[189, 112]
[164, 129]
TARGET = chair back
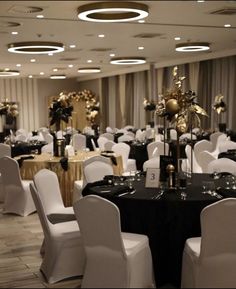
[95, 168]
[40, 210]
[5, 150]
[47, 185]
[48, 148]
[222, 165]
[214, 138]
[108, 145]
[108, 135]
[99, 222]
[122, 149]
[188, 136]
[101, 141]
[227, 145]
[78, 141]
[200, 146]
[95, 148]
[125, 137]
[156, 149]
[192, 163]
[204, 158]
[10, 172]
[48, 138]
[217, 260]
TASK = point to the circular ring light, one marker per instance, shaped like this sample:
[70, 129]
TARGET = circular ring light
[128, 60]
[89, 70]
[113, 11]
[9, 72]
[36, 47]
[62, 76]
[192, 46]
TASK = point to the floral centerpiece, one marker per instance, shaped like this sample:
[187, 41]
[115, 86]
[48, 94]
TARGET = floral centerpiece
[9, 109]
[180, 108]
[149, 105]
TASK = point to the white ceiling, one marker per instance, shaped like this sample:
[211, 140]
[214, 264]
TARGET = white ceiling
[189, 20]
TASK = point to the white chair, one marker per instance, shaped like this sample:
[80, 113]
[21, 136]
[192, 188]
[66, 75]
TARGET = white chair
[94, 169]
[101, 141]
[156, 148]
[48, 138]
[125, 137]
[188, 136]
[47, 185]
[153, 163]
[5, 151]
[18, 199]
[108, 135]
[210, 261]
[214, 138]
[108, 145]
[109, 129]
[113, 259]
[200, 146]
[123, 149]
[173, 134]
[149, 133]
[48, 148]
[221, 139]
[227, 145]
[129, 127]
[78, 141]
[193, 165]
[21, 138]
[204, 158]
[64, 255]
[222, 165]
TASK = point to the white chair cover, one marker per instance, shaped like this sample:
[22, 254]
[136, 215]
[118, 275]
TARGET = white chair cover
[222, 165]
[158, 146]
[204, 158]
[64, 255]
[113, 259]
[200, 146]
[101, 141]
[123, 149]
[48, 148]
[108, 135]
[210, 261]
[5, 151]
[192, 163]
[125, 137]
[227, 145]
[108, 145]
[78, 141]
[18, 199]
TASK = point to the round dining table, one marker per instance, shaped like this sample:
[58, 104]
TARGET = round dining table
[168, 219]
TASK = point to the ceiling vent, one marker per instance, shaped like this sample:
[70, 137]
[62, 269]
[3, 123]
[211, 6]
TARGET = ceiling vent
[25, 9]
[224, 11]
[101, 49]
[9, 24]
[147, 35]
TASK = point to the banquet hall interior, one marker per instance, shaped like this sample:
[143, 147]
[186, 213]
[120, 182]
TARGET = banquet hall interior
[117, 144]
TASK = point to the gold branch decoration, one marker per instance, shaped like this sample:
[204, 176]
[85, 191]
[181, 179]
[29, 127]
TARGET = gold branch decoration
[180, 107]
[219, 105]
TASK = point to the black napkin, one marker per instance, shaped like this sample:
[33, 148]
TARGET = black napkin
[226, 193]
[113, 159]
[64, 163]
[102, 188]
[61, 218]
[20, 161]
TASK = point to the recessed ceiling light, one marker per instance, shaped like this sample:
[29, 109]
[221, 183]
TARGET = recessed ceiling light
[101, 35]
[89, 70]
[55, 69]
[200, 1]
[41, 73]
[113, 11]
[140, 48]
[30, 76]
[18, 65]
[141, 21]
[14, 33]
[192, 46]
[112, 54]
[70, 65]
[128, 60]
[50, 54]
[62, 76]
[89, 61]
[35, 47]
[72, 46]
[9, 72]
[32, 60]
[227, 25]
[177, 38]
[40, 16]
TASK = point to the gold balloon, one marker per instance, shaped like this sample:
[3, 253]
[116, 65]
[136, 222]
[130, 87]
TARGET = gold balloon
[172, 106]
[170, 168]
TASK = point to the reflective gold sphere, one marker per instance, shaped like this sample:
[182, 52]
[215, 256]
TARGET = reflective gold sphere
[170, 168]
[172, 106]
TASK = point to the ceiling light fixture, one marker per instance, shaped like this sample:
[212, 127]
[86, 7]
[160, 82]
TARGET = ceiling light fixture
[113, 11]
[192, 46]
[62, 76]
[35, 47]
[89, 70]
[9, 72]
[128, 60]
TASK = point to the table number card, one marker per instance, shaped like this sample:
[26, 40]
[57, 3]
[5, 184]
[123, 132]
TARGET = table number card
[70, 151]
[152, 178]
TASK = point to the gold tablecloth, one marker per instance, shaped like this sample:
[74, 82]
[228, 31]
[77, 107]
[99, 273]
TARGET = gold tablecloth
[66, 177]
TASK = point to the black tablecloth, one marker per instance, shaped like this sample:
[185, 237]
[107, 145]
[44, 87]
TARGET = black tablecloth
[168, 222]
[24, 148]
